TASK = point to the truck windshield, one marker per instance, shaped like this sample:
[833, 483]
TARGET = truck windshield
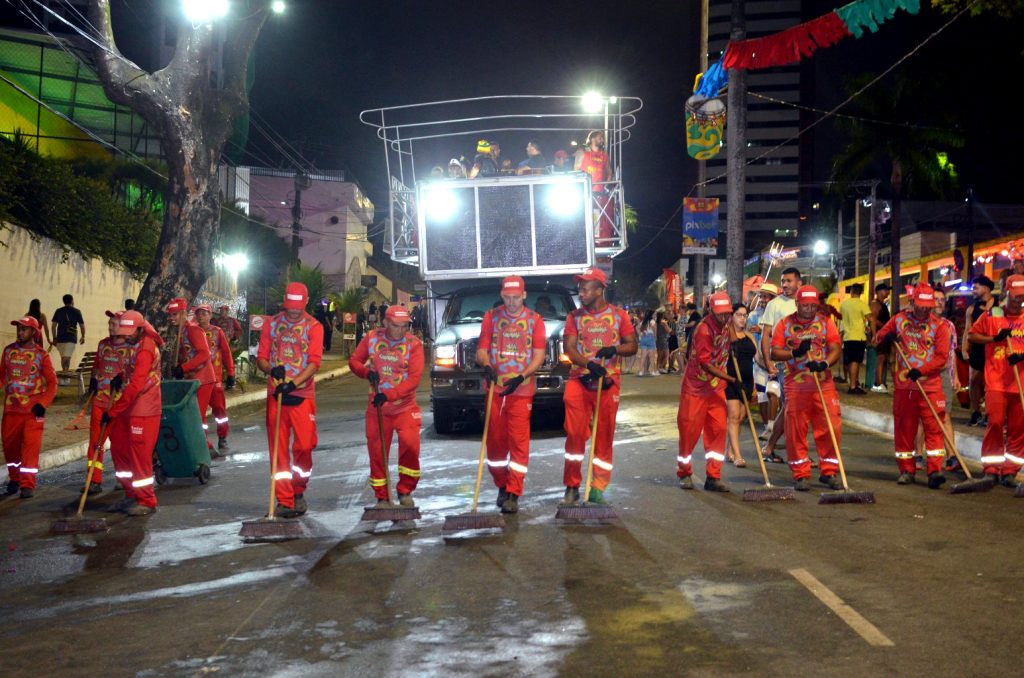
[549, 304]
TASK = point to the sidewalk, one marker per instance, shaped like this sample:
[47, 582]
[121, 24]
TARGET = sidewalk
[873, 411]
[63, 447]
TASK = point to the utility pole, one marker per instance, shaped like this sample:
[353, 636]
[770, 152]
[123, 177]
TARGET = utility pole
[872, 240]
[702, 168]
[840, 268]
[302, 183]
[969, 279]
[736, 148]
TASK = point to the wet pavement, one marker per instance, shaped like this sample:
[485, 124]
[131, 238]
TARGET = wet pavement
[687, 583]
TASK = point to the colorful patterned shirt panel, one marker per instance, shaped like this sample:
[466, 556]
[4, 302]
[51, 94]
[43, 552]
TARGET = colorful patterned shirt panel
[510, 341]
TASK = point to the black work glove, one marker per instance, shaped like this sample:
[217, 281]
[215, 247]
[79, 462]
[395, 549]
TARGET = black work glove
[373, 377]
[285, 387]
[913, 374]
[1002, 335]
[1015, 358]
[888, 340]
[512, 384]
[105, 419]
[490, 377]
[802, 349]
[277, 372]
[606, 353]
[596, 370]
[379, 400]
[117, 383]
[39, 411]
[177, 372]
[93, 385]
[817, 365]
[229, 383]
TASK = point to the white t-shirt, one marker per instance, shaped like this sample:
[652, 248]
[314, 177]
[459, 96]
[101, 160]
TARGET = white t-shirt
[777, 309]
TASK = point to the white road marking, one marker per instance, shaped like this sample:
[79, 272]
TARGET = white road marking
[862, 626]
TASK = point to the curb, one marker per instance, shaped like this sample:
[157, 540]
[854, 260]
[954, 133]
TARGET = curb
[969, 446]
[65, 455]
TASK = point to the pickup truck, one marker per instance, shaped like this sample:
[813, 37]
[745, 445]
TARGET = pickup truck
[457, 384]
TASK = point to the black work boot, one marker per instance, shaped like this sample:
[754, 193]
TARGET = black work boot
[12, 487]
[936, 480]
[1009, 480]
[502, 496]
[300, 505]
[831, 481]
[511, 504]
[906, 478]
[686, 483]
[715, 485]
[802, 485]
[572, 496]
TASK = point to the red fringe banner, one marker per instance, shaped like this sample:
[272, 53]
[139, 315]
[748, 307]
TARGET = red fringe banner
[788, 46]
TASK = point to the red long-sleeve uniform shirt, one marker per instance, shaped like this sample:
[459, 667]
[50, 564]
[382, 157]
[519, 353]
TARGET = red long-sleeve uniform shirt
[194, 356]
[926, 345]
[27, 376]
[399, 364]
[220, 351]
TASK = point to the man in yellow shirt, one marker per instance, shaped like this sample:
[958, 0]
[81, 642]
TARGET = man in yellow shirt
[856, 318]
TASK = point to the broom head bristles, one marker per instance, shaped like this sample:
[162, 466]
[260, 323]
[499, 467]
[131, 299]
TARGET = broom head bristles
[585, 512]
[973, 485]
[79, 526]
[473, 521]
[271, 529]
[847, 498]
[769, 494]
[372, 514]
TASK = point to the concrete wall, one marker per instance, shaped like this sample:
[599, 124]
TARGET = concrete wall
[36, 269]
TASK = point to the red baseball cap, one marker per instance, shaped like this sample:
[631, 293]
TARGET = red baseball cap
[807, 294]
[513, 284]
[924, 295]
[397, 314]
[113, 314]
[720, 303]
[27, 321]
[1015, 285]
[176, 304]
[295, 296]
[592, 274]
[129, 322]
[203, 307]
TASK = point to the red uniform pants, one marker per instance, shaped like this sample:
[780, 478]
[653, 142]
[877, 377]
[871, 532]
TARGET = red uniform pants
[294, 469]
[22, 435]
[803, 409]
[203, 396]
[997, 457]
[909, 408]
[508, 441]
[579, 409]
[701, 414]
[406, 423]
[132, 441]
[219, 406]
[95, 452]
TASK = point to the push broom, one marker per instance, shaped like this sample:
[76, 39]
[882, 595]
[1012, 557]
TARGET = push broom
[971, 484]
[78, 524]
[80, 417]
[474, 520]
[585, 510]
[372, 514]
[768, 492]
[272, 528]
[846, 496]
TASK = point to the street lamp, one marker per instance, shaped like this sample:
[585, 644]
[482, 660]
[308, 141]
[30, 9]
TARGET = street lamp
[277, 6]
[204, 11]
[233, 263]
[820, 248]
[593, 102]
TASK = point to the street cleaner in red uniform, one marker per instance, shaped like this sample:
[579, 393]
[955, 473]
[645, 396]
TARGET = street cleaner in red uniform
[702, 407]
[594, 337]
[391, 359]
[512, 347]
[29, 384]
[223, 361]
[134, 419]
[108, 376]
[291, 347]
[925, 340]
[808, 341]
[1001, 331]
[194, 359]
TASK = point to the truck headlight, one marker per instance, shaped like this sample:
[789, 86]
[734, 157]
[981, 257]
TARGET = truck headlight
[444, 356]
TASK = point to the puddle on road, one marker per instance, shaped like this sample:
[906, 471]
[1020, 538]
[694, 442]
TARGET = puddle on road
[711, 596]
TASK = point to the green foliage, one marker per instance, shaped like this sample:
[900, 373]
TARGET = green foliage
[1003, 8]
[81, 212]
[349, 301]
[312, 277]
[631, 218]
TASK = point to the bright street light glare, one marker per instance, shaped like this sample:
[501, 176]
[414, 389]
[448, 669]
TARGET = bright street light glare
[277, 6]
[821, 248]
[204, 11]
[613, 100]
[441, 204]
[565, 199]
[716, 279]
[593, 102]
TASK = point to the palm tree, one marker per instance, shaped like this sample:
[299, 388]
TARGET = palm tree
[890, 134]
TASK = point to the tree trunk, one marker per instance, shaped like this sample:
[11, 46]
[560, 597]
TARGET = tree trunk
[736, 149]
[897, 197]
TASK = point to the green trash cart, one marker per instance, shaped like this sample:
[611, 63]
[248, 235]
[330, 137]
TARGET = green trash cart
[181, 449]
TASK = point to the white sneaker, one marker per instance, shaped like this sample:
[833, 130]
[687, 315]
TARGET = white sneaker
[879, 388]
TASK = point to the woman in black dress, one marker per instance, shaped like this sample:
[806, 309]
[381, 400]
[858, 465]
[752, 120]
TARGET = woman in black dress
[744, 348]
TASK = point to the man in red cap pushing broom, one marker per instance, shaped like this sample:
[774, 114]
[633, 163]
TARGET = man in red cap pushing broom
[194, 359]
[923, 346]
[808, 341]
[223, 361]
[391, 359]
[291, 347]
[108, 375]
[702, 399]
[29, 384]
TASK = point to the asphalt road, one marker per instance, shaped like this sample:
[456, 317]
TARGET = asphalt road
[687, 583]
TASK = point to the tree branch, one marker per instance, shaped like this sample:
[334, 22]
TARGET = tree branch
[124, 82]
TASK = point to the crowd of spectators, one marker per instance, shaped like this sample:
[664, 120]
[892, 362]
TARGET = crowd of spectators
[590, 157]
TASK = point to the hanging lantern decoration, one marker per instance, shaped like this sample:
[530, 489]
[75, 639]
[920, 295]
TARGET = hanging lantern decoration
[705, 121]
